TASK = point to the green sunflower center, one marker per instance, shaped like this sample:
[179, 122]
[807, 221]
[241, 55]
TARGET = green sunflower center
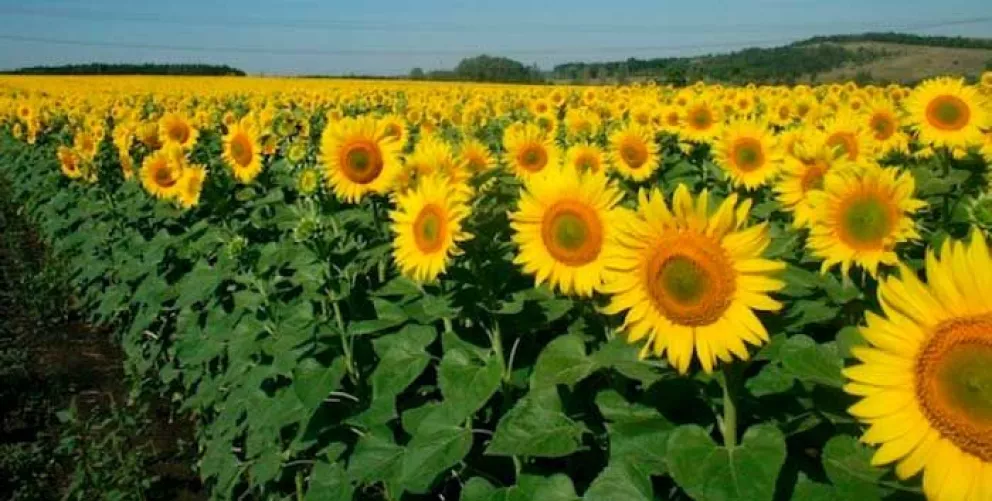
[747, 154]
[429, 229]
[358, 160]
[948, 113]
[965, 377]
[570, 231]
[683, 280]
[362, 162]
[533, 157]
[866, 221]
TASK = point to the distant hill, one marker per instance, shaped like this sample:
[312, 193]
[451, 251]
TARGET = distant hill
[130, 69]
[867, 57]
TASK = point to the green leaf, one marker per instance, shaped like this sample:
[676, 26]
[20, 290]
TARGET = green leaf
[770, 379]
[529, 488]
[621, 356]
[848, 466]
[638, 433]
[312, 381]
[430, 309]
[536, 426]
[466, 382]
[328, 481]
[562, 361]
[620, 481]
[847, 338]
[808, 490]
[815, 363]
[376, 459]
[708, 472]
[805, 312]
[430, 454]
[399, 287]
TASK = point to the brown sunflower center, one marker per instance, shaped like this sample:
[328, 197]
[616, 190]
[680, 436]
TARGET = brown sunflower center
[812, 178]
[430, 228]
[587, 161]
[164, 175]
[883, 126]
[690, 279]
[865, 221]
[178, 131]
[361, 161]
[700, 118]
[954, 383]
[394, 130]
[845, 143]
[572, 233]
[634, 153]
[747, 154]
[241, 150]
[948, 113]
[533, 157]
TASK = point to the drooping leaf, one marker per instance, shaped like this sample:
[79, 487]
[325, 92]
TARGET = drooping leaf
[466, 382]
[806, 360]
[430, 454]
[848, 466]
[312, 381]
[536, 426]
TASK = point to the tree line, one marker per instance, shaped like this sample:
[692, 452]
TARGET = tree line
[130, 69]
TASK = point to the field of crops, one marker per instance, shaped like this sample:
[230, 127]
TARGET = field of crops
[406, 290]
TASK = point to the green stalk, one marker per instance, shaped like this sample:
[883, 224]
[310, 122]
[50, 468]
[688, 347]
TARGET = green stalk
[728, 426]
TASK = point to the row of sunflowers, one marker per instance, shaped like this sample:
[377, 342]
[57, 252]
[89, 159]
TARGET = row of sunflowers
[733, 236]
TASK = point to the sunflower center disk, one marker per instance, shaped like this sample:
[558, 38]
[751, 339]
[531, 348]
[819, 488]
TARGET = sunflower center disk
[701, 119]
[634, 155]
[948, 113]
[691, 280]
[429, 229]
[533, 158]
[883, 127]
[179, 133]
[362, 162]
[241, 151]
[866, 222]
[813, 176]
[954, 383]
[572, 233]
[164, 177]
[747, 154]
[845, 144]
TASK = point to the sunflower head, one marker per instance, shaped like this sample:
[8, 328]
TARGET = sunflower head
[174, 128]
[691, 278]
[162, 170]
[529, 150]
[860, 216]
[633, 152]
[190, 186]
[428, 225]
[242, 153]
[475, 157]
[947, 113]
[749, 154]
[701, 121]
[69, 162]
[359, 158]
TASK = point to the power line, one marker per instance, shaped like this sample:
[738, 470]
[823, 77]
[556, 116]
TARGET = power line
[410, 26]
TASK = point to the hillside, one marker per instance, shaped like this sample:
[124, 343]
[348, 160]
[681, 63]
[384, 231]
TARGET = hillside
[874, 57]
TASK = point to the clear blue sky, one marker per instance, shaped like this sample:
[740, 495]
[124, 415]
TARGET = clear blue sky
[392, 36]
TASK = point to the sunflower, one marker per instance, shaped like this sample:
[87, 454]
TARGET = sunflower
[566, 227]
[308, 181]
[529, 150]
[432, 155]
[924, 381]
[883, 120]
[162, 170]
[803, 173]
[177, 129]
[428, 226]
[190, 186]
[581, 123]
[585, 157]
[946, 112]
[849, 136]
[395, 126]
[69, 162]
[689, 281]
[860, 217]
[634, 152]
[475, 156]
[242, 153]
[701, 120]
[748, 153]
[359, 158]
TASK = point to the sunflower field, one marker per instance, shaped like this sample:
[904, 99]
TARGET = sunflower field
[421, 291]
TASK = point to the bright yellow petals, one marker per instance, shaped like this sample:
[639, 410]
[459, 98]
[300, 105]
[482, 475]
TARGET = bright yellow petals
[585, 158]
[947, 113]
[242, 153]
[530, 150]
[70, 162]
[190, 186]
[689, 280]
[925, 384]
[633, 152]
[162, 170]
[803, 173]
[359, 158]
[748, 153]
[566, 226]
[701, 120]
[428, 224]
[859, 218]
[475, 157]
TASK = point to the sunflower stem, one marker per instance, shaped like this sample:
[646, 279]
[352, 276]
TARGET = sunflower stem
[728, 426]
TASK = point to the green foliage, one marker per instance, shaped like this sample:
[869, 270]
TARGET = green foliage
[130, 69]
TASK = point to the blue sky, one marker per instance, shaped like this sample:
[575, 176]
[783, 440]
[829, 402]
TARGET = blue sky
[392, 36]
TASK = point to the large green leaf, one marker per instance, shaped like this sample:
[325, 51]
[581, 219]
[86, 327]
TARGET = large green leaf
[848, 465]
[312, 381]
[806, 360]
[536, 426]
[430, 454]
[328, 481]
[562, 361]
[620, 481]
[621, 356]
[638, 433]
[708, 472]
[467, 382]
[376, 459]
